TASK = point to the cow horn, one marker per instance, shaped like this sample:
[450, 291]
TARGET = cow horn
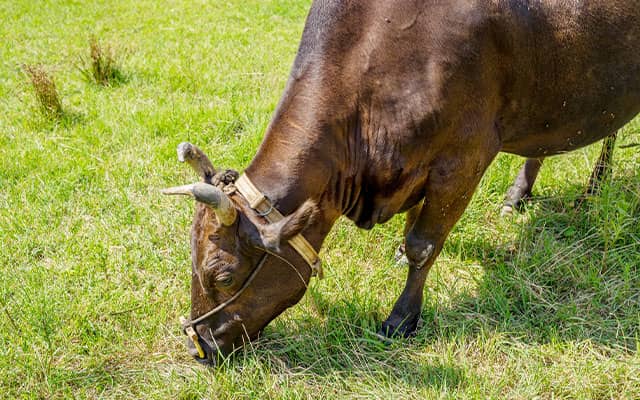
[197, 159]
[210, 195]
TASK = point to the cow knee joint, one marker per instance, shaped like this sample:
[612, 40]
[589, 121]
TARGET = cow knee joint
[418, 250]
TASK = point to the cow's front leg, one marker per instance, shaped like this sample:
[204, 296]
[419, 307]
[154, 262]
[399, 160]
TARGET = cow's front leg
[450, 185]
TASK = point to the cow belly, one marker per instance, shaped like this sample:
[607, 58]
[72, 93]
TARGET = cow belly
[563, 131]
[572, 80]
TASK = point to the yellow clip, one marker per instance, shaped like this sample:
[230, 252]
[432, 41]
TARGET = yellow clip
[191, 333]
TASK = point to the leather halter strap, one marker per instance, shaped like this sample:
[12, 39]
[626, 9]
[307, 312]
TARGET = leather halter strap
[265, 208]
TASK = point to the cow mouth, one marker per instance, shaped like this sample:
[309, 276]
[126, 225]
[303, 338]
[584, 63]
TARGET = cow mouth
[216, 344]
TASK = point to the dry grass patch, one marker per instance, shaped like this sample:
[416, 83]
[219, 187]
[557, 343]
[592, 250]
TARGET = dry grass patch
[103, 66]
[45, 90]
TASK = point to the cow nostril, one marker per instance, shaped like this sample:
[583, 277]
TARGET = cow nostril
[208, 361]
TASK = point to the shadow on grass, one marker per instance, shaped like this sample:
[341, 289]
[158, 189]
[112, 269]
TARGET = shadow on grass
[343, 347]
[570, 275]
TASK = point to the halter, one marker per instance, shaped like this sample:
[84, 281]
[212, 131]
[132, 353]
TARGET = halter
[264, 208]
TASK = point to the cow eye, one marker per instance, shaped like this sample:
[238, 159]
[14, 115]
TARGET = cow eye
[225, 280]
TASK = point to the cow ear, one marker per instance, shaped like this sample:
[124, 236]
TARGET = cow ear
[275, 234]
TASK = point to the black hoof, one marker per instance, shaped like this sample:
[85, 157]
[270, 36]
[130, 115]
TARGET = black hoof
[403, 331]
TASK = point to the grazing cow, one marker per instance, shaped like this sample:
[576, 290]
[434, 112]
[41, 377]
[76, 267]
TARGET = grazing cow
[398, 106]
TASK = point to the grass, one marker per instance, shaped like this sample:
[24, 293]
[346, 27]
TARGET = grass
[95, 262]
[103, 67]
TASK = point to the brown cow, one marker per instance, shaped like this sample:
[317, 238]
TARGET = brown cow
[395, 106]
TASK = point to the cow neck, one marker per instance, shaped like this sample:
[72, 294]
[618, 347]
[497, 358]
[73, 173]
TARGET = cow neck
[290, 176]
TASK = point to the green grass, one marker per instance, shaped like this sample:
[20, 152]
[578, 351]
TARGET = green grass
[95, 263]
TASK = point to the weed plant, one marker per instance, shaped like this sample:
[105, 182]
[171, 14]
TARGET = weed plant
[102, 67]
[45, 90]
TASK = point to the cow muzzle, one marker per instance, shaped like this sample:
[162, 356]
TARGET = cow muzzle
[208, 346]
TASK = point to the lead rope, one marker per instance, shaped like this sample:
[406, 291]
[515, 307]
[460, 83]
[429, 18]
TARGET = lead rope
[222, 305]
[188, 326]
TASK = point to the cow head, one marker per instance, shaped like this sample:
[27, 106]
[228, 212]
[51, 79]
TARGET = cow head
[241, 265]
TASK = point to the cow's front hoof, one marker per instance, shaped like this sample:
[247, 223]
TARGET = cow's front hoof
[402, 330]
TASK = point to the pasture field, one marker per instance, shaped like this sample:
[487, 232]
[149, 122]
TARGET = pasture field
[94, 262]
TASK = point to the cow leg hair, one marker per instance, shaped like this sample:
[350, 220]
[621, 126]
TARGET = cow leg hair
[446, 198]
[520, 191]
